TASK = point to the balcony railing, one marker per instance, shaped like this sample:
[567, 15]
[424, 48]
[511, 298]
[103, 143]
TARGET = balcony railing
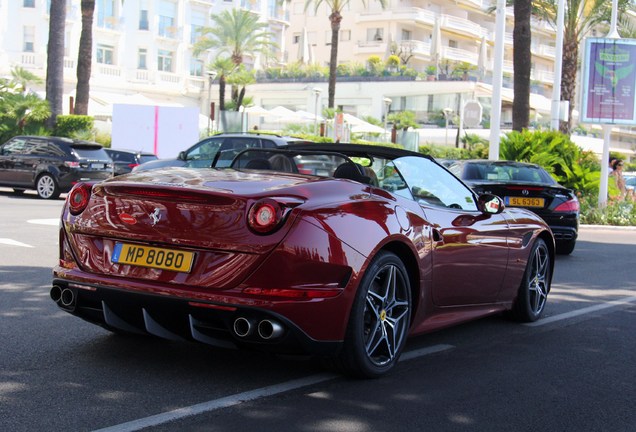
[108, 70]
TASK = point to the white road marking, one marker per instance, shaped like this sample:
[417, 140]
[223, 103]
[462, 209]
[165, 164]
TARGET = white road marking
[11, 242]
[54, 222]
[251, 395]
[582, 311]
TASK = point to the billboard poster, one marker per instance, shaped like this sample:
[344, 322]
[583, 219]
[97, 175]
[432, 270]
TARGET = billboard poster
[609, 81]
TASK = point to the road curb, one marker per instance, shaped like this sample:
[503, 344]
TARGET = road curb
[609, 227]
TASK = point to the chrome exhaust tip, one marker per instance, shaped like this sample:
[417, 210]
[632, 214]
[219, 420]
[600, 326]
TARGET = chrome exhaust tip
[67, 297]
[268, 329]
[242, 327]
[56, 293]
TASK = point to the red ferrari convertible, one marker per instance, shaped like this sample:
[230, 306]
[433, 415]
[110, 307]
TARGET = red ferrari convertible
[374, 245]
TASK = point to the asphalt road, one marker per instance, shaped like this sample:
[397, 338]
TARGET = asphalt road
[574, 371]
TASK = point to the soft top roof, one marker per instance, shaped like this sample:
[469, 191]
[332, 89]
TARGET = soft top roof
[359, 150]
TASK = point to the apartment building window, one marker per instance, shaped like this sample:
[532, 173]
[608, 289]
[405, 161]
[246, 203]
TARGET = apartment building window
[375, 34]
[105, 54]
[29, 38]
[196, 67]
[296, 38]
[197, 22]
[143, 20]
[106, 14]
[28, 3]
[142, 57]
[167, 19]
[407, 35]
[452, 43]
[345, 35]
[164, 60]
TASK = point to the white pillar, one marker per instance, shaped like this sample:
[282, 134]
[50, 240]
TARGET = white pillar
[556, 88]
[495, 113]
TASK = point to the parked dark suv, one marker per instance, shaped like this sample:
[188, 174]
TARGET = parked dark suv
[125, 160]
[51, 165]
[201, 154]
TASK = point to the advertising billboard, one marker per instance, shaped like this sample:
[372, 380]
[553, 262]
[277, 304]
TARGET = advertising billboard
[609, 81]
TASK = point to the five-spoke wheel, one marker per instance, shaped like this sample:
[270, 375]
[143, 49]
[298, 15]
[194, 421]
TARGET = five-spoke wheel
[380, 318]
[535, 286]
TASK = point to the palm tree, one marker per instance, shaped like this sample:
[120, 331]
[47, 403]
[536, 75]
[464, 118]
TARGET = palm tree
[55, 60]
[335, 18]
[522, 64]
[22, 78]
[237, 33]
[84, 58]
[581, 16]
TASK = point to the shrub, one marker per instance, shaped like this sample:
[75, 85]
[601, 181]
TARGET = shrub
[71, 125]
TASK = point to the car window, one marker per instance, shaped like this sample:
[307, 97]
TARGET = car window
[430, 184]
[265, 143]
[15, 146]
[147, 158]
[202, 155]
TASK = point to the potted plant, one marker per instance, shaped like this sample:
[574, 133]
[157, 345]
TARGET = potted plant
[430, 72]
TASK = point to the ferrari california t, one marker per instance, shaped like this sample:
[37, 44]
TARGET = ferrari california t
[344, 264]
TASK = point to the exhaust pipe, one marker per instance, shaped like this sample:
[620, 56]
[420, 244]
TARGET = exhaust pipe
[56, 293]
[67, 298]
[243, 327]
[268, 329]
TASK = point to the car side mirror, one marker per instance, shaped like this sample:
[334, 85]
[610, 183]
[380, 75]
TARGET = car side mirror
[182, 156]
[490, 204]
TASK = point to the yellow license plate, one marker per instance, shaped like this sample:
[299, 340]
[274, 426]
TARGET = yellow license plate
[525, 202]
[153, 257]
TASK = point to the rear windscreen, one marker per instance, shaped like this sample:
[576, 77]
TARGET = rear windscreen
[147, 158]
[90, 153]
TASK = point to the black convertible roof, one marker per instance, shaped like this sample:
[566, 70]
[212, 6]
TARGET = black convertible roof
[359, 150]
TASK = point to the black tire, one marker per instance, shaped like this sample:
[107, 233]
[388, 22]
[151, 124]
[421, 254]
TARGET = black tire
[565, 247]
[47, 187]
[535, 285]
[379, 321]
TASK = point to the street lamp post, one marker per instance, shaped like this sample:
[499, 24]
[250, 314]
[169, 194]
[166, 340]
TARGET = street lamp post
[316, 91]
[211, 75]
[387, 106]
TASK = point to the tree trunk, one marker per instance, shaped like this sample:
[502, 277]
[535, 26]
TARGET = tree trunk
[569, 71]
[522, 58]
[84, 58]
[335, 19]
[55, 61]
[222, 92]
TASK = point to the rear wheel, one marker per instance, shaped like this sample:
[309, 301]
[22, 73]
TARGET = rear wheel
[535, 286]
[379, 320]
[46, 187]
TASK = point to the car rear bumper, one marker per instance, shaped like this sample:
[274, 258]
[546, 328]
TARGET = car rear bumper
[183, 319]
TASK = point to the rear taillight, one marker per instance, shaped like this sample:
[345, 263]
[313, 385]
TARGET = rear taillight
[265, 216]
[78, 198]
[72, 164]
[132, 165]
[571, 205]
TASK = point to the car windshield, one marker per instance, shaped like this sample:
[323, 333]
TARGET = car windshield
[508, 172]
[412, 177]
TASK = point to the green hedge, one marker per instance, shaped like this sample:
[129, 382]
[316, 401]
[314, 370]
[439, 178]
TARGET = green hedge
[70, 125]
